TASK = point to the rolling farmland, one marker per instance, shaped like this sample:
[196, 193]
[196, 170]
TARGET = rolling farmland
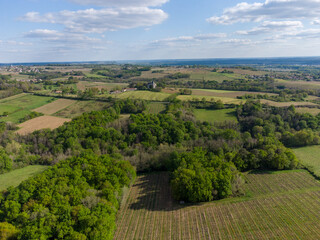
[20, 105]
[55, 106]
[283, 205]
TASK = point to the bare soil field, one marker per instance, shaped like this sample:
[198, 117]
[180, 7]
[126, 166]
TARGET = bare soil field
[55, 106]
[41, 123]
[282, 205]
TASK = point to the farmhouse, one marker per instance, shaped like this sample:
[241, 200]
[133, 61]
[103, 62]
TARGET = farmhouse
[152, 85]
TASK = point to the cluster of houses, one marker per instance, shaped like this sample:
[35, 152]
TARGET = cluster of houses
[22, 69]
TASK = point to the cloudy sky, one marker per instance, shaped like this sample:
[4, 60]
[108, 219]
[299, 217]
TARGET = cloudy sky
[99, 30]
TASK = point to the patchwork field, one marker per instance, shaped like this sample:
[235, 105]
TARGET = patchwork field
[79, 107]
[55, 106]
[20, 105]
[310, 157]
[15, 177]
[41, 123]
[215, 115]
[284, 205]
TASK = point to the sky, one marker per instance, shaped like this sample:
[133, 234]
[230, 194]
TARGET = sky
[106, 30]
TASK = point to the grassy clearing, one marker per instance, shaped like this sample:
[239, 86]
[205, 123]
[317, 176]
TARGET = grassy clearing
[55, 106]
[79, 107]
[280, 206]
[215, 115]
[310, 157]
[225, 100]
[313, 111]
[287, 104]
[155, 108]
[15, 177]
[41, 123]
[22, 105]
[145, 95]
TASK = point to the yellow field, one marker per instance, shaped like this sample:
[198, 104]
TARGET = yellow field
[41, 123]
[55, 106]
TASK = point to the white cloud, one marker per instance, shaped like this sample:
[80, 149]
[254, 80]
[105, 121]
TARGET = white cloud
[121, 3]
[187, 39]
[53, 36]
[99, 21]
[270, 9]
[316, 22]
[273, 26]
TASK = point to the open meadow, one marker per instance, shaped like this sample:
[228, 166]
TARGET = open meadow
[79, 107]
[215, 115]
[15, 177]
[282, 205]
[310, 157]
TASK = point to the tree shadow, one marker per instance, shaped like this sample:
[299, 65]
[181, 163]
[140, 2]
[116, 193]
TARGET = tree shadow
[154, 193]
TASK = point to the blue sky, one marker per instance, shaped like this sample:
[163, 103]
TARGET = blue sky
[99, 30]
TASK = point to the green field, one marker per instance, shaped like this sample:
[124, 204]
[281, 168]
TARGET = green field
[21, 105]
[215, 115]
[79, 107]
[310, 157]
[15, 177]
[155, 108]
[145, 95]
[225, 100]
[278, 206]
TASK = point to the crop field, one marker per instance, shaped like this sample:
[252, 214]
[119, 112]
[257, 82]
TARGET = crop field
[215, 115]
[55, 106]
[313, 111]
[15, 177]
[155, 108]
[20, 105]
[310, 157]
[145, 95]
[79, 107]
[284, 205]
[41, 123]
[226, 100]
